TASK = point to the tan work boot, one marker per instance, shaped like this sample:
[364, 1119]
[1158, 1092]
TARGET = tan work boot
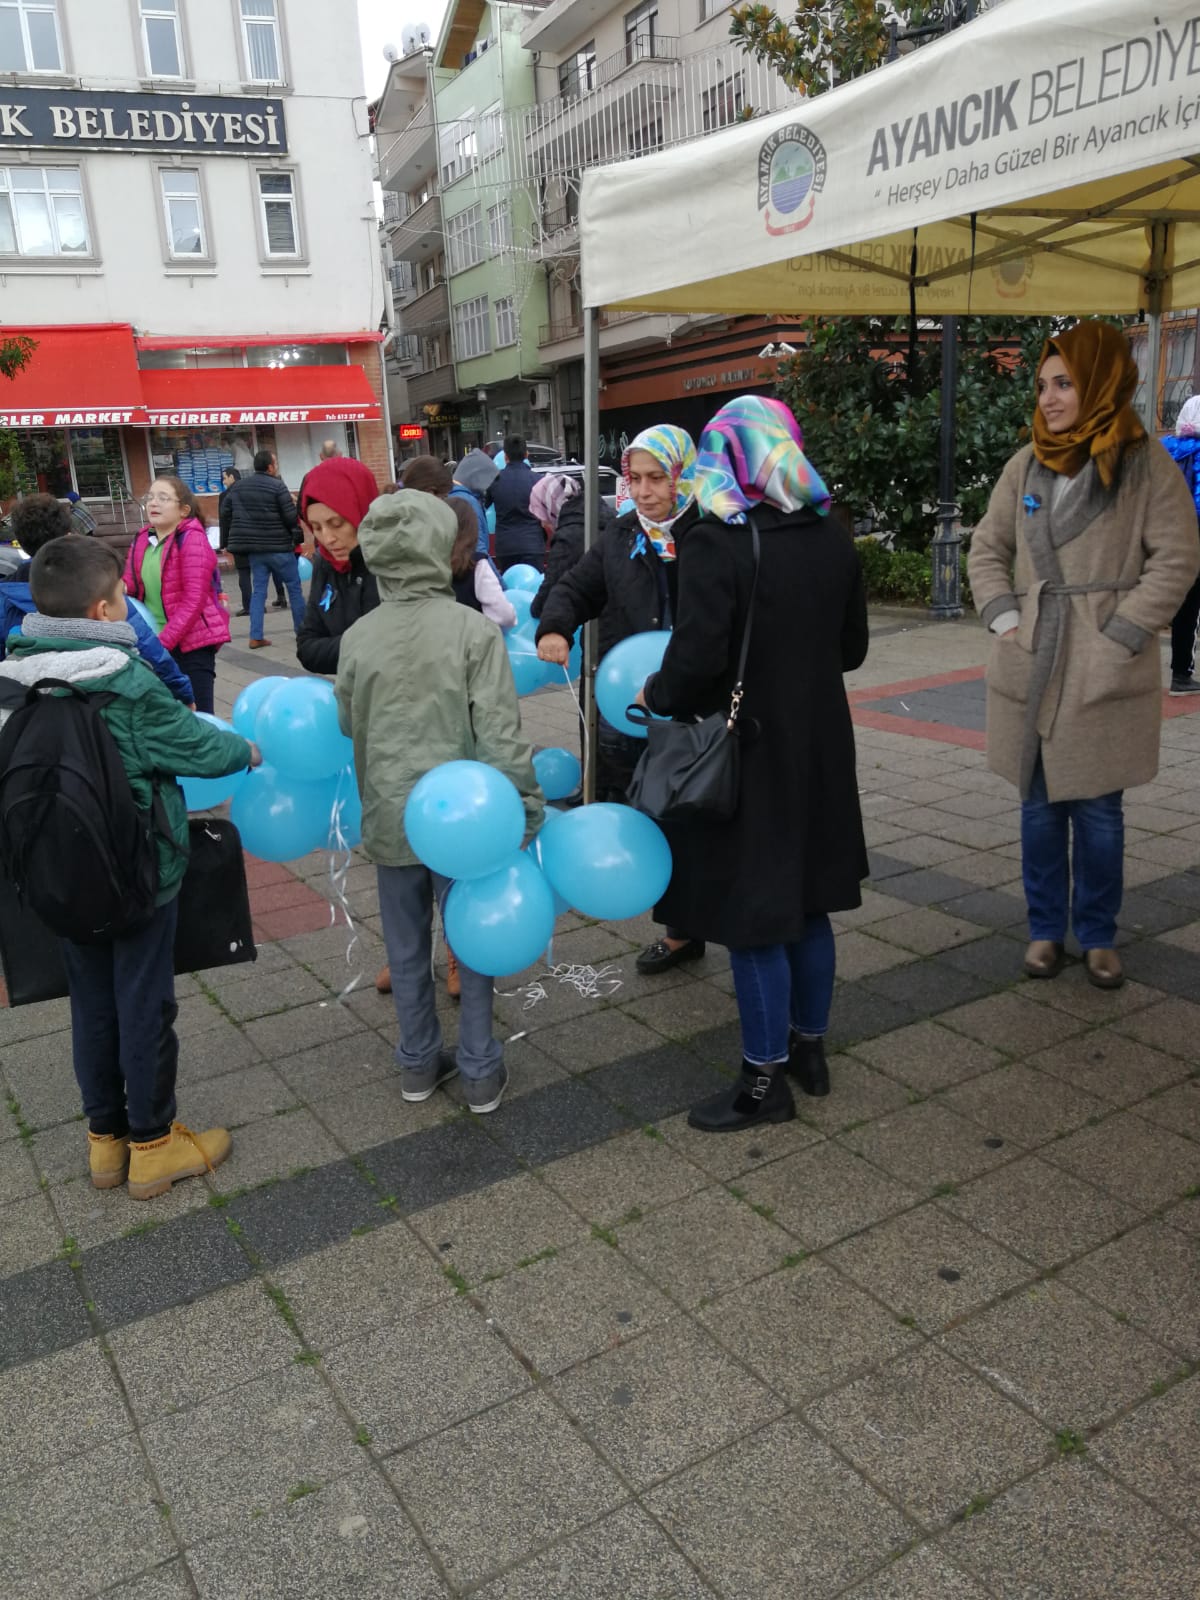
[108, 1159]
[155, 1166]
[453, 981]
[383, 980]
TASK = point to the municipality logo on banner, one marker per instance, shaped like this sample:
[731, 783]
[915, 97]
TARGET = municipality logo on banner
[791, 174]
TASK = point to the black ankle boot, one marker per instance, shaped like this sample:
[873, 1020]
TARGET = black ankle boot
[761, 1094]
[807, 1064]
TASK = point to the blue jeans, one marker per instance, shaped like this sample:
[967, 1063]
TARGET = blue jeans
[782, 986]
[406, 896]
[1096, 865]
[123, 1042]
[283, 566]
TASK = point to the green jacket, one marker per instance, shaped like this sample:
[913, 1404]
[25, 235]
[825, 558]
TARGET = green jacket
[422, 679]
[156, 737]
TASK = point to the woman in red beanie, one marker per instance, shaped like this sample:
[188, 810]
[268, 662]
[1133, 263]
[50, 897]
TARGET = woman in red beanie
[334, 498]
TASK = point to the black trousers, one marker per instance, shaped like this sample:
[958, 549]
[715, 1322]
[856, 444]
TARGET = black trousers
[242, 566]
[1183, 634]
[123, 1042]
[201, 668]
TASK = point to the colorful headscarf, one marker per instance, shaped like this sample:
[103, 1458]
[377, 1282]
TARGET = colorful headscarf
[674, 451]
[752, 451]
[1187, 423]
[551, 493]
[1105, 375]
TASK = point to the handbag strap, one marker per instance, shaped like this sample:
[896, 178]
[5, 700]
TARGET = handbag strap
[735, 701]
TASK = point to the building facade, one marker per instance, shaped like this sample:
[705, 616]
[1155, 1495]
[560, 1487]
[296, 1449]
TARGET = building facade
[188, 234]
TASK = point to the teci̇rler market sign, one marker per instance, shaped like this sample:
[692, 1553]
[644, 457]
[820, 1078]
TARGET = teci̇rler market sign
[81, 119]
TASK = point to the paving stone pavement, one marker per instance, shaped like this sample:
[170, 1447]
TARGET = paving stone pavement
[937, 1339]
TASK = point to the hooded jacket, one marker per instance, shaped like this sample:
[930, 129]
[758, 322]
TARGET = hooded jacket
[197, 616]
[422, 680]
[477, 472]
[155, 737]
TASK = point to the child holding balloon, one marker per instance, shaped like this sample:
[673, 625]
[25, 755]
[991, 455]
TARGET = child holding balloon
[423, 681]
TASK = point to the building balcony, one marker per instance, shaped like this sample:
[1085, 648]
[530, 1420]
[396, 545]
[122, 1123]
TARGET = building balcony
[619, 330]
[429, 312]
[618, 112]
[431, 388]
[411, 154]
[562, 22]
[419, 236]
[559, 234]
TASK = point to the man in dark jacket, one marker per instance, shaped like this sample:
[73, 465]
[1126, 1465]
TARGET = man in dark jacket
[259, 519]
[519, 535]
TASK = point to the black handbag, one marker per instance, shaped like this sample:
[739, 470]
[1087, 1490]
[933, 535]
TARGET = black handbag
[213, 928]
[693, 769]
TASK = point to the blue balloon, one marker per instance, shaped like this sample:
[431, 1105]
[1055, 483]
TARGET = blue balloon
[297, 728]
[535, 852]
[464, 819]
[348, 805]
[201, 794]
[522, 576]
[501, 923]
[143, 611]
[575, 659]
[607, 861]
[625, 507]
[490, 519]
[249, 703]
[521, 600]
[623, 672]
[528, 672]
[500, 459]
[282, 818]
[558, 772]
[305, 566]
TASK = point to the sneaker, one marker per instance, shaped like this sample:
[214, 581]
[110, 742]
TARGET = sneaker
[1185, 685]
[418, 1083]
[485, 1094]
[155, 1166]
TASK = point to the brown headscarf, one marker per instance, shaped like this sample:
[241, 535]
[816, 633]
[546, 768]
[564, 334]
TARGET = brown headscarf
[1105, 375]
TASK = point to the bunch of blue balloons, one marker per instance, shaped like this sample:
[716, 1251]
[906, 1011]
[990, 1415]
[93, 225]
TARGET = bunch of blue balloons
[304, 797]
[622, 673]
[465, 821]
[521, 584]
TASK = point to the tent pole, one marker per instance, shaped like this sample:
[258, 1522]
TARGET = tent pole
[591, 530]
[947, 541]
[1153, 361]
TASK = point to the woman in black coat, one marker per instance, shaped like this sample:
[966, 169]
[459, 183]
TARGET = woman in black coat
[765, 882]
[334, 498]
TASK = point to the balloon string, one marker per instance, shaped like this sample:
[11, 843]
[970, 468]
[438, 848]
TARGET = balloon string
[574, 693]
[340, 858]
[591, 983]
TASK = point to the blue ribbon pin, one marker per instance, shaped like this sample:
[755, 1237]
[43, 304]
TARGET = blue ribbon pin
[1032, 503]
[326, 599]
[639, 548]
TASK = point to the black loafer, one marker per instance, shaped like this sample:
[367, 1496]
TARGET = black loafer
[659, 957]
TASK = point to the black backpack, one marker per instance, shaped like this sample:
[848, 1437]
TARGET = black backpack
[78, 849]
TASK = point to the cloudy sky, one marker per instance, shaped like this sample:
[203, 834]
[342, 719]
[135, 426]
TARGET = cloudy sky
[382, 22]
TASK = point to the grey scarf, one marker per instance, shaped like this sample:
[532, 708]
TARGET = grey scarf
[37, 626]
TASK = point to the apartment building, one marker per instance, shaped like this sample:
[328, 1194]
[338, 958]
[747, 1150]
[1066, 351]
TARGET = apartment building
[187, 232]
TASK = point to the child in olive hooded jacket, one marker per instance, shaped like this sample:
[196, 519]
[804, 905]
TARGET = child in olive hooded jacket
[423, 680]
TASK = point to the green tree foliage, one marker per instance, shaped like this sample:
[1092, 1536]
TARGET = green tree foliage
[867, 394]
[14, 354]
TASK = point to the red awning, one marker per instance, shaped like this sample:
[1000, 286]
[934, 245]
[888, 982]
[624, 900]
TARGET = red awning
[243, 396]
[78, 377]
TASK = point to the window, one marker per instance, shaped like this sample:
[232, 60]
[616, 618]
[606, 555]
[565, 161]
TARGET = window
[280, 227]
[431, 353]
[260, 37]
[499, 228]
[464, 244]
[725, 103]
[709, 8]
[647, 138]
[506, 322]
[183, 211]
[641, 30]
[42, 213]
[458, 148]
[491, 132]
[161, 39]
[577, 74]
[29, 36]
[471, 328]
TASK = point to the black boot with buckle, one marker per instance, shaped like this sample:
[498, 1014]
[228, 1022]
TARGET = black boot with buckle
[807, 1064]
[761, 1094]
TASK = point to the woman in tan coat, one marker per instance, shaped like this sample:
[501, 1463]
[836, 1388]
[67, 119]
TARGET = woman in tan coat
[1087, 548]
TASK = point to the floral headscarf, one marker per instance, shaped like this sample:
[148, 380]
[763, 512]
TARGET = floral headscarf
[551, 493]
[674, 451]
[751, 452]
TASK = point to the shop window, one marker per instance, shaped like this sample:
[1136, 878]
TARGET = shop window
[277, 207]
[161, 38]
[296, 355]
[42, 212]
[193, 358]
[464, 243]
[30, 38]
[471, 332]
[98, 461]
[577, 74]
[183, 212]
[500, 227]
[506, 322]
[198, 456]
[261, 40]
[47, 464]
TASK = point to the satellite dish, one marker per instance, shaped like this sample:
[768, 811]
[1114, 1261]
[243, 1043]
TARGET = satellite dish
[390, 53]
[415, 37]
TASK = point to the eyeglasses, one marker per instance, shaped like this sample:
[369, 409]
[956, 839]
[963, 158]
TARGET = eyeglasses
[162, 499]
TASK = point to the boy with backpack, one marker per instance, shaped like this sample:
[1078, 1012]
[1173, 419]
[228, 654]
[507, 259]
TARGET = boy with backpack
[94, 834]
[422, 680]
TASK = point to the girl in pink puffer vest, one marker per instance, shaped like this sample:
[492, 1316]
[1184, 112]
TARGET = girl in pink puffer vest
[187, 591]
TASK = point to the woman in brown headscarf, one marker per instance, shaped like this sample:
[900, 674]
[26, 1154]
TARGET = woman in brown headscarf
[1087, 548]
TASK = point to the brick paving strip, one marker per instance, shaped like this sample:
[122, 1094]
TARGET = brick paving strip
[939, 1338]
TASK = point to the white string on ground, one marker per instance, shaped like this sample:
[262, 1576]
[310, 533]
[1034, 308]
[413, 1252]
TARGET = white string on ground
[591, 983]
[340, 857]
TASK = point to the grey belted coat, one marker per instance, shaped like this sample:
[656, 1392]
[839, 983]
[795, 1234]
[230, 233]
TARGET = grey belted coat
[1094, 574]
